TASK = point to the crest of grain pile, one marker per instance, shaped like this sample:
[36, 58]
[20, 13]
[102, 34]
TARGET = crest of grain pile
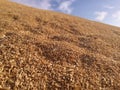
[44, 50]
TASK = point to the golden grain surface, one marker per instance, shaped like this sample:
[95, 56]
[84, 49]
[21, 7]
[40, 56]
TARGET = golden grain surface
[45, 50]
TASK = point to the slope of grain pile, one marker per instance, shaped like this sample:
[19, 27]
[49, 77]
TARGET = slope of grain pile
[45, 50]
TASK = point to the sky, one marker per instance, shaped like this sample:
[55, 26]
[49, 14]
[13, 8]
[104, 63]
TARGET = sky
[105, 11]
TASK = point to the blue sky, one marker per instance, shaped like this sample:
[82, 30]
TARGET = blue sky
[105, 11]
